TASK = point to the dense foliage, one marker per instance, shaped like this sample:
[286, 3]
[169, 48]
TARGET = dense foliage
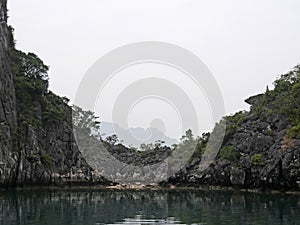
[35, 104]
[31, 86]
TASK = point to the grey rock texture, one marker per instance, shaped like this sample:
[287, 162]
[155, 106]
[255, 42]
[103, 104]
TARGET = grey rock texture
[49, 155]
[43, 154]
[8, 121]
[267, 159]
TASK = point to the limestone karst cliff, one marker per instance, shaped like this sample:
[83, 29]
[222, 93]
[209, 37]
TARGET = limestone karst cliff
[8, 120]
[37, 144]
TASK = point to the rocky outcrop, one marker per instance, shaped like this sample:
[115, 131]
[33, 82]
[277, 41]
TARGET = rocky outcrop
[266, 157]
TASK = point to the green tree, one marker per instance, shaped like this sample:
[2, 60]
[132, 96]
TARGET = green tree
[188, 137]
[31, 68]
[86, 122]
[159, 143]
[146, 147]
[112, 140]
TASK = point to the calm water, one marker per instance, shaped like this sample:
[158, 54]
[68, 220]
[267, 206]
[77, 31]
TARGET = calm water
[146, 207]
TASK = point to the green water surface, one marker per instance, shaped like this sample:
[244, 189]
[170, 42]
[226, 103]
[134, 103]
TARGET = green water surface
[38, 207]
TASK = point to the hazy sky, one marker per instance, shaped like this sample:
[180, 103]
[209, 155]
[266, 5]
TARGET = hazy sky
[245, 44]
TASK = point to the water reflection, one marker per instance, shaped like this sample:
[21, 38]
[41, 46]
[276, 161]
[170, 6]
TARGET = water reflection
[146, 207]
[139, 220]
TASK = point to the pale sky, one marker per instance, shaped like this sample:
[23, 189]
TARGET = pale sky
[245, 44]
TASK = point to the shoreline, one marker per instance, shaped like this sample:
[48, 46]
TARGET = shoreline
[145, 188]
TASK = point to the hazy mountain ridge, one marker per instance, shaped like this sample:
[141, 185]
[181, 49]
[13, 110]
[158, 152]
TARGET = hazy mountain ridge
[135, 136]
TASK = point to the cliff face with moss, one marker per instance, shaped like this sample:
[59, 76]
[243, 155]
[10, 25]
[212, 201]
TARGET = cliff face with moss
[37, 144]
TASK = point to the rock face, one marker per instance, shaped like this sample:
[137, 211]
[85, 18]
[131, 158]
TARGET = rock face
[8, 119]
[266, 157]
[49, 154]
[31, 154]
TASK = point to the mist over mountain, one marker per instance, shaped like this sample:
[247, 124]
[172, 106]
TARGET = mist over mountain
[135, 136]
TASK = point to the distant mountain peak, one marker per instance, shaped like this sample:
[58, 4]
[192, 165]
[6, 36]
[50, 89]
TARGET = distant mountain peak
[135, 136]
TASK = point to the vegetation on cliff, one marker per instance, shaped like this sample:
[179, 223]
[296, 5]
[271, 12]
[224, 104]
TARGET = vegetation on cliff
[42, 146]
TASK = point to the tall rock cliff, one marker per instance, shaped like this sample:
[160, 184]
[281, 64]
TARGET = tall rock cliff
[8, 119]
[37, 145]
